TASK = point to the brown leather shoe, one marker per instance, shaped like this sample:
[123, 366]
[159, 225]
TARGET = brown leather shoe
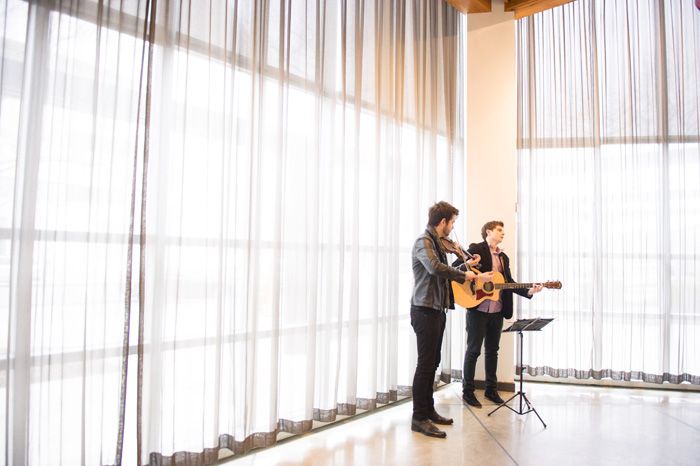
[471, 400]
[426, 427]
[437, 419]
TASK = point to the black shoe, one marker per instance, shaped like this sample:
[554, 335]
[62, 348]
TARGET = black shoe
[426, 427]
[437, 419]
[493, 396]
[471, 400]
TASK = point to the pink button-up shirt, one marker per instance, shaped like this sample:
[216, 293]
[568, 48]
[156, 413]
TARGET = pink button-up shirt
[488, 306]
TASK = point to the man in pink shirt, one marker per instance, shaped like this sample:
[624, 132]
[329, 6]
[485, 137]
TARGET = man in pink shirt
[485, 321]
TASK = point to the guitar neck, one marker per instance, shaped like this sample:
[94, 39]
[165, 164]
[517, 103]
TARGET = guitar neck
[513, 286]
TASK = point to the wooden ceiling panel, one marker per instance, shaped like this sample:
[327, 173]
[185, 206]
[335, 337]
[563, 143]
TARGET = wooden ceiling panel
[524, 8]
[472, 6]
[521, 8]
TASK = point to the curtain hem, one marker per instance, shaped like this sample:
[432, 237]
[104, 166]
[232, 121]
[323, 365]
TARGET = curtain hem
[268, 439]
[627, 376]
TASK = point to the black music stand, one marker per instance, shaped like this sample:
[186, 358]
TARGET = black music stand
[520, 326]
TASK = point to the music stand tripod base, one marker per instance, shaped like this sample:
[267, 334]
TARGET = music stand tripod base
[521, 326]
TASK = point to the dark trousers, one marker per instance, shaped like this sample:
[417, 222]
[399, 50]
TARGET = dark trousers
[482, 328]
[429, 326]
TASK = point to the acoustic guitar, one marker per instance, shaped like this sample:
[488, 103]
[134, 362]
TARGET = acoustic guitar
[473, 293]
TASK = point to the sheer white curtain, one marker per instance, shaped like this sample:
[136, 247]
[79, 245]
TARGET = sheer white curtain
[609, 170]
[295, 148]
[207, 214]
[69, 120]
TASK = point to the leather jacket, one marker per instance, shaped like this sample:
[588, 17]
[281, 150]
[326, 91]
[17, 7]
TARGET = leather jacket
[432, 288]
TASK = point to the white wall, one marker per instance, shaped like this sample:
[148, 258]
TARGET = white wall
[491, 142]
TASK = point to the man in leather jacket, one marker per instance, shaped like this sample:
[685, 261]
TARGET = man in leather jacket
[432, 295]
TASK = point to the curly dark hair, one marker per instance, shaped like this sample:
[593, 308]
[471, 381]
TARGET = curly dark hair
[439, 211]
[490, 226]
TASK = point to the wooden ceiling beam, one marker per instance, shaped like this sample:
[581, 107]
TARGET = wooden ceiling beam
[472, 6]
[523, 8]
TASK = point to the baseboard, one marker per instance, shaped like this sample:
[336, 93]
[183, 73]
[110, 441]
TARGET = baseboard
[456, 376]
[501, 386]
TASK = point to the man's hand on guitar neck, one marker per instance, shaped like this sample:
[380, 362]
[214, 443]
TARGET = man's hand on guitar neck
[535, 289]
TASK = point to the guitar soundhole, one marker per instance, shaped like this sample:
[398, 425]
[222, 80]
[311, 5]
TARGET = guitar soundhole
[488, 287]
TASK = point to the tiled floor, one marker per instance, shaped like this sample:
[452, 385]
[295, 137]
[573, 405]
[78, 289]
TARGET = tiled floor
[585, 426]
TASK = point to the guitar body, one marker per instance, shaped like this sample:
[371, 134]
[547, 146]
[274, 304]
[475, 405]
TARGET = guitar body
[473, 293]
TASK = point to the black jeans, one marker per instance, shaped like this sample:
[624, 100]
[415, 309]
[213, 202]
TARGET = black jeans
[482, 328]
[429, 326]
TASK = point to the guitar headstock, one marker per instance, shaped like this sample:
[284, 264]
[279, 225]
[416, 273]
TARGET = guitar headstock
[552, 285]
